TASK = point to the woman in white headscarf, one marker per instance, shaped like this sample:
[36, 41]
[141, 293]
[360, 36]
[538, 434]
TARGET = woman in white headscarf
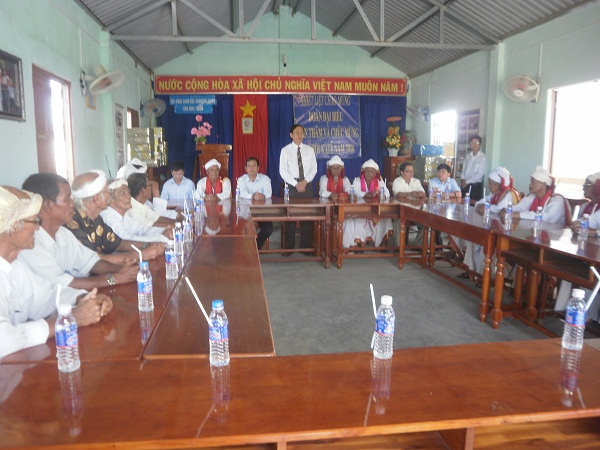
[369, 232]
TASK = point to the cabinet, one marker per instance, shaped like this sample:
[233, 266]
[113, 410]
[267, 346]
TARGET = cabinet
[160, 174]
[390, 167]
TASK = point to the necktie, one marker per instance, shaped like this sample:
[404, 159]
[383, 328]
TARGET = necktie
[300, 167]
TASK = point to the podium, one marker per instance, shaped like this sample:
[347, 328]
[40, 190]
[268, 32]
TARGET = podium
[206, 152]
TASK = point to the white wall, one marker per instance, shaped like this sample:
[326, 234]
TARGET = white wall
[515, 134]
[47, 33]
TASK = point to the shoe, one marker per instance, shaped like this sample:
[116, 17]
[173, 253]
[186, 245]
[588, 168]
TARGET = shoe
[464, 276]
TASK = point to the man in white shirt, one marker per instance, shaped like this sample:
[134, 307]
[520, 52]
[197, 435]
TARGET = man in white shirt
[473, 170]
[27, 302]
[256, 187]
[142, 208]
[298, 168]
[57, 255]
[126, 227]
[179, 187]
[406, 186]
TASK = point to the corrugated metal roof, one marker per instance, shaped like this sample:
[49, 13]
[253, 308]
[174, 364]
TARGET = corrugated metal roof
[428, 33]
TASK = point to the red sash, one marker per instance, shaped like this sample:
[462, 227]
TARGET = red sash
[373, 186]
[332, 186]
[210, 189]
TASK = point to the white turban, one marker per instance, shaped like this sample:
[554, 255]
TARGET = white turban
[593, 177]
[116, 184]
[336, 160]
[92, 188]
[13, 208]
[212, 162]
[370, 163]
[133, 166]
[542, 175]
[500, 175]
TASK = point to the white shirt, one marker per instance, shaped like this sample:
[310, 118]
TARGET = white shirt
[201, 189]
[553, 212]
[126, 227]
[400, 185]
[261, 184]
[474, 167]
[143, 213]
[594, 220]
[25, 299]
[169, 213]
[174, 191]
[288, 163]
[61, 259]
[360, 193]
[323, 192]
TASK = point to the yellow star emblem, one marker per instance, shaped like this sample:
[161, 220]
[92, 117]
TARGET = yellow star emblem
[248, 109]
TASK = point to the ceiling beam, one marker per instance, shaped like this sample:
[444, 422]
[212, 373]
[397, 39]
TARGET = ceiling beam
[366, 20]
[259, 15]
[466, 22]
[208, 18]
[237, 40]
[347, 19]
[133, 16]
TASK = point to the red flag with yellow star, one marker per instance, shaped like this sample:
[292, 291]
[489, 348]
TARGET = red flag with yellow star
[250, 125]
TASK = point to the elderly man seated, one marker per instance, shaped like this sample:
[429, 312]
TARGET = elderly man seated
[213, 187]
[90, 193]
[142, 209]
[117, 217]
[27, 301]
[57, 255]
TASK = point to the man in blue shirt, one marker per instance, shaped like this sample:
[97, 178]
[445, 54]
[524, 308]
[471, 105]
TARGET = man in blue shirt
[444, 184]
[179, 187]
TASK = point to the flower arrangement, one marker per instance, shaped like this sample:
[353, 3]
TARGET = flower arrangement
[393, 140]
[201, 131]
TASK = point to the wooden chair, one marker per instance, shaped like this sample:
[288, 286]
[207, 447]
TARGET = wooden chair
[207, 152]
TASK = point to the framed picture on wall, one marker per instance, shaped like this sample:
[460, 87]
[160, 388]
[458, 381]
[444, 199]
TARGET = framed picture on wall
[12, 100]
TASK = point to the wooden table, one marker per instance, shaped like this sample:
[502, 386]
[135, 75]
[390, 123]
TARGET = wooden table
[450, 217]
[316, 210]
[225, 268]
[554, 252]
[446, 393]
[365, 209]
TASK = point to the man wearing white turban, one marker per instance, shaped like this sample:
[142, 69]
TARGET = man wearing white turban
[213, 187]
[27, 301]
[541, 193]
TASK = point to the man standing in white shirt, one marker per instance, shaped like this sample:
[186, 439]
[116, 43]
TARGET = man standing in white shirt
[57, 255]
[27, 302]
[256, 187]
[473, 170]
[298, 168]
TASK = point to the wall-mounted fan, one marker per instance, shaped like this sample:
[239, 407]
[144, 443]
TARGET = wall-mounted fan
[420, 112]
[153, 107]
[522, 89]
[104, 81]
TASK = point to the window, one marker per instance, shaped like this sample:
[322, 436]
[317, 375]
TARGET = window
[575, 135]
[443, 132]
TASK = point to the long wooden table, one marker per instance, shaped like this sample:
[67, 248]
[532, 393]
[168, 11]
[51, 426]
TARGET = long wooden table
[312, 401]
[554, 252]
[225, 268]
[450, 217]
[317, 210]
[365, 209]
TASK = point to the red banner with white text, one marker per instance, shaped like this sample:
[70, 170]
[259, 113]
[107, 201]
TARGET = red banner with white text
[250, 132]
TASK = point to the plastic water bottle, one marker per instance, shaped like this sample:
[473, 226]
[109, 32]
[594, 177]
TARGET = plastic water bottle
[382, 194]
[188, 229]
[351, 194]
[198, 216]
[179, 240]
[381, 377]
[237, 190]
[146, 324]
[219, 379]
[218, 335]
[431, 197]
[71, 391]
[447, 193]
[569, 375]
[144, 282]
[574, 321]
[438, 197]
[171, 263]
[384, 329]
[67, 343]
[467, 200]
[286, 193]
[584, 225]
[537, 224]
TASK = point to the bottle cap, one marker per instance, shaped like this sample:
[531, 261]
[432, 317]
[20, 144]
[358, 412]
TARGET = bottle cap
[64, 309]
[177, 224]
[144, 265]
[217, 304]
[539, 209]
[578, 293]
[585, 216]
[386, 300]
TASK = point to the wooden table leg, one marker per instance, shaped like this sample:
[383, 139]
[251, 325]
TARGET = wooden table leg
[402, 237]
[518, 289]
[533, 280]
[498, 292]
[485, 286]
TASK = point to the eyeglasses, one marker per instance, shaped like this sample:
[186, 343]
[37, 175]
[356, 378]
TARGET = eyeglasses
[37, 221]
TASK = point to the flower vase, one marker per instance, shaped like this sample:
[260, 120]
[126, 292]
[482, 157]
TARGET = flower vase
[393, 151]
